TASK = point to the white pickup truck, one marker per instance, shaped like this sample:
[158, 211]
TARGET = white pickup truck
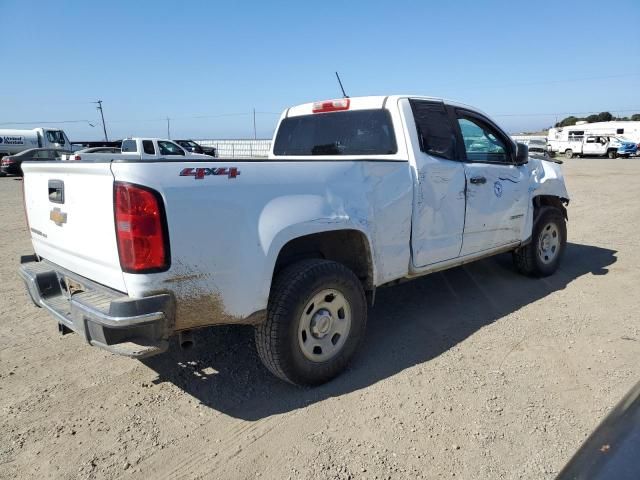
[141, 149]
[357, 193]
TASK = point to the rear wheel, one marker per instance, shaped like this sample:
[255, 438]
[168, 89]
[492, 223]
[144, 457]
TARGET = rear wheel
[316, 319]
[568, 153]
[612, 154]
[541, 256]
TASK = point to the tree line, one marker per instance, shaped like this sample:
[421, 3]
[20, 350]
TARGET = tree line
[600, 117]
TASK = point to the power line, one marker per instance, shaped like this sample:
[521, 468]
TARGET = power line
[48, 122]
[616, 110]
[551, 82]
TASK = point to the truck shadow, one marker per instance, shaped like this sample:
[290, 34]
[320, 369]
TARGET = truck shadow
[411, 323]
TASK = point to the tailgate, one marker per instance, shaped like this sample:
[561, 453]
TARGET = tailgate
[70, 214]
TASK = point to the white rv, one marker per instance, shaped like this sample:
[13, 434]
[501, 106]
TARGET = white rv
[15, 141]
[561, 139]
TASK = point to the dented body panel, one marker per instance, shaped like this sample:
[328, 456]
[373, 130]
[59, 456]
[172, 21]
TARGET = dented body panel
[226, 234]
[231, 224]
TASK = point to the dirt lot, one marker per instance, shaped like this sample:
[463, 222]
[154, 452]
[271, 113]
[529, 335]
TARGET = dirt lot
[472, 373]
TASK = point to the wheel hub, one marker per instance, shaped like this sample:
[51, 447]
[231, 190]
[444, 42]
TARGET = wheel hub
[324, 325]
[321, 323]
[549, 243]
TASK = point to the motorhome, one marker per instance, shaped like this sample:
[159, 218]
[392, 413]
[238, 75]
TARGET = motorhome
[561, 139]
[15, 141]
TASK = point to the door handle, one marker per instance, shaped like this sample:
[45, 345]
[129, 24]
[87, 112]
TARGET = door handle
[478, 180]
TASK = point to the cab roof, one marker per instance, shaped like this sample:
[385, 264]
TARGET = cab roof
[369, 103]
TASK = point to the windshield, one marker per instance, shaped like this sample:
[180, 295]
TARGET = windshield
[623, 139]
[55, 136]
[359, 132]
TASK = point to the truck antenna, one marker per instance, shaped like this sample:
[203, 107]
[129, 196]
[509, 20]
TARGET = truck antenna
[344, 94]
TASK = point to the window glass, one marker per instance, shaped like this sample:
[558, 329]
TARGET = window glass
[357, 132]
[42, 154]
[169, 148]
[481, 142]
[147, 146]
[619, 131]
[129, 146]
[435, 132]
[591, 139]
[55, 136]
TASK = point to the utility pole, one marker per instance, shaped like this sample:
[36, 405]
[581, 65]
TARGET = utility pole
[168, 128]
[104, 127]
[255, 135]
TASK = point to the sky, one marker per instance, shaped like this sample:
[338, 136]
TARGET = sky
[206, 65]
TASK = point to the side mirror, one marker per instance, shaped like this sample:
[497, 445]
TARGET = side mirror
[522, 154]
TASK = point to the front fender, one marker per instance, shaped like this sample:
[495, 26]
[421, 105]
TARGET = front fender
[546, 179]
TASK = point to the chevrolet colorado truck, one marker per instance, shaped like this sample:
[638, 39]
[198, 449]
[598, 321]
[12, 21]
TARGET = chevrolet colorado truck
[357, 193]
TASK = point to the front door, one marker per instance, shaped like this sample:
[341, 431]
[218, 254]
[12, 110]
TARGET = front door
[497, 189]
[439, 202]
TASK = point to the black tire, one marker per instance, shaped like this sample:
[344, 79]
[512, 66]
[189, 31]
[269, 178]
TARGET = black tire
[568, 153]
[530, 259]
[612, 154]
[278, 340]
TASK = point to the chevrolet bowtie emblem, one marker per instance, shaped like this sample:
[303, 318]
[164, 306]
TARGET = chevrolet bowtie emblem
[58, 217]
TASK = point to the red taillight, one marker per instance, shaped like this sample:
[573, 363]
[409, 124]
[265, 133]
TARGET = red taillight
[7, 161]
[331, 105]
[140, 229]
[77, 157]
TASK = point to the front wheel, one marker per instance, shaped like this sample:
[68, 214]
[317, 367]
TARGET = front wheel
[541, 256]
[316, 318]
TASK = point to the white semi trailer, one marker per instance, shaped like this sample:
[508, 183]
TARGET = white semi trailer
[15, 141]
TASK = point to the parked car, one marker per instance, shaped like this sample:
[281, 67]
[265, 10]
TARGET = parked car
[357, 194]
[139, 149]
[600, 146]
[100, 150]
[538, 147]
[12, 164]
[77, 155]
[191, 146]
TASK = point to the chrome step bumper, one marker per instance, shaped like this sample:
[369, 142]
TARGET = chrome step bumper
[134, 327]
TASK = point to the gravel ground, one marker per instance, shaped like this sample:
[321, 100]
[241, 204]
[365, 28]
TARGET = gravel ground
[473, 373]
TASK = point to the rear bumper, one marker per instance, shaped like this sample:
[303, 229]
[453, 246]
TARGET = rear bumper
[10, 169]
[134, 327]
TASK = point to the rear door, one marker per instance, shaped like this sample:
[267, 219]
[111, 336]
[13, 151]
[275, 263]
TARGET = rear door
[70, 215]
[496, 188]
[439, 203]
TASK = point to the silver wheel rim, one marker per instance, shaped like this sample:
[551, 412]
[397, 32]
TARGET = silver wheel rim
[549, 243]
[324, 325]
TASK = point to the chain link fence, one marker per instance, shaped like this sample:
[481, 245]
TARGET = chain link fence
[238, 148]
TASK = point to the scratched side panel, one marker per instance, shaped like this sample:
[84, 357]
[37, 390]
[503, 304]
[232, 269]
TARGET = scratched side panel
[226, 233]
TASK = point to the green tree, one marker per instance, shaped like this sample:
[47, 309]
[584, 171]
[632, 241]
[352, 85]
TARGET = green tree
[604, 117]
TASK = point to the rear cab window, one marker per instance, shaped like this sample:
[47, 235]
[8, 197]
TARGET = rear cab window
[436, 133]
[353, 132]
[129, 146]
[147, 146]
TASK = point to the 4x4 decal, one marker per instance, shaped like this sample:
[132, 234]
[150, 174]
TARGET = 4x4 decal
[200, 173]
